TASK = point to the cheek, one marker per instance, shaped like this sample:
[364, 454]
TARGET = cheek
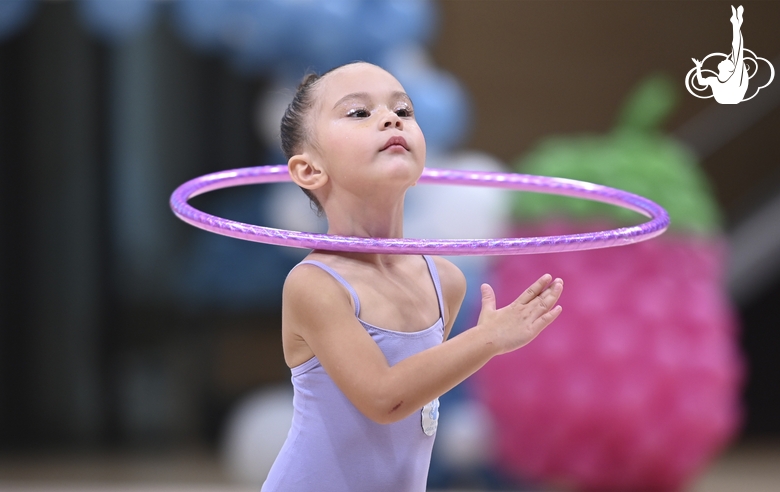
[350, 147]
[357, 143]
[420, 144]
[343, 152]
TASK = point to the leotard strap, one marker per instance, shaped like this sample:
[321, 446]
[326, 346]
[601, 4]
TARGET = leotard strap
[340, 279]
[431, 269]
[436, 283]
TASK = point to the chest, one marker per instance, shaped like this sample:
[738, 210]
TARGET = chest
[404, 304]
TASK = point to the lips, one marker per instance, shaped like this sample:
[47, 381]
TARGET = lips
[400, 141]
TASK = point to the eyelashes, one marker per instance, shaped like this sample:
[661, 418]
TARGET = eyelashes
[358, 113]
[362, 112]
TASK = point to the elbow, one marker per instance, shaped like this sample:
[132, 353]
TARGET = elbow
[386, 409]
[385, 414]
[392, 413]
[386, 400]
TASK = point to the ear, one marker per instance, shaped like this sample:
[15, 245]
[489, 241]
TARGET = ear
[306, 173]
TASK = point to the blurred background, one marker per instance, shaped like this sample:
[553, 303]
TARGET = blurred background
[135, 349]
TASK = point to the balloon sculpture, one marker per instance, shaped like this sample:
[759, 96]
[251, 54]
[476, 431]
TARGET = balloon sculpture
[636, 386]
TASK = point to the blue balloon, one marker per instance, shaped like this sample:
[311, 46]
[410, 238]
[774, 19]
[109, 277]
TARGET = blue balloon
[324, 34]
[254, 32]
[441, 107]
[385, 24]
[300, 35]
[250, 32]
[117, 20]
[200, 22]
[14, 14]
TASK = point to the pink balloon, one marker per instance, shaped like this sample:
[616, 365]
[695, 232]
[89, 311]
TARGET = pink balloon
[636, 386]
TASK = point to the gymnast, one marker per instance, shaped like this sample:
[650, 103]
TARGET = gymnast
[366, 334]
[731, 84]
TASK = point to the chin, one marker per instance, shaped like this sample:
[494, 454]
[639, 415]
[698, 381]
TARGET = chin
[403, 170]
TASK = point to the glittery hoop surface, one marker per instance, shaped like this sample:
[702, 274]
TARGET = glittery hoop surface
[658, 223]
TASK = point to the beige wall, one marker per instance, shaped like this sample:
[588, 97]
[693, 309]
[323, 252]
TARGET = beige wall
[538, 68]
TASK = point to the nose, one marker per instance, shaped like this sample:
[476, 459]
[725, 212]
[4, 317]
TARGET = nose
[392, 120]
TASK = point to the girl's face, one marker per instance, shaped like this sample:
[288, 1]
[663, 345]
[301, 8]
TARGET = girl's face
[363, 130]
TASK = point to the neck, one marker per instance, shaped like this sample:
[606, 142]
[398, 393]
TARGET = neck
[361, 218]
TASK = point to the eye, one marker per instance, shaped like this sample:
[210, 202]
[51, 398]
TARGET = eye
[404, 112]
[358, 113]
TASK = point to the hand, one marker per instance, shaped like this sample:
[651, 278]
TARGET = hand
[515, 325]
[697, 62]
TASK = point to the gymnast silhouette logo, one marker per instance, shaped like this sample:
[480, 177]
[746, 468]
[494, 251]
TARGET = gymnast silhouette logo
[730, 84]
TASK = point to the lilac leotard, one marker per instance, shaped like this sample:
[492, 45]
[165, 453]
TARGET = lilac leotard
[333, 447]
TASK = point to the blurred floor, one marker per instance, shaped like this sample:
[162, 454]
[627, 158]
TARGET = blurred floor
[747, 467]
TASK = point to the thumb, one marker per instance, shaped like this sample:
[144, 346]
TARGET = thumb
[488, 298]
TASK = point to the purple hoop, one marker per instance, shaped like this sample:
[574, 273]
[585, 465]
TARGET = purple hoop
[477, 247]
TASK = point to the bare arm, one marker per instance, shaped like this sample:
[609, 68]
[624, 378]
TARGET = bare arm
[702, 81]
[385, 393]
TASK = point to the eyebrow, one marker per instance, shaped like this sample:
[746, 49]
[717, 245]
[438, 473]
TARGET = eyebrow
[365, 95]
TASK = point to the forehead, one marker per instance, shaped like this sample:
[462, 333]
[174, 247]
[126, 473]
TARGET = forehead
[356, 78]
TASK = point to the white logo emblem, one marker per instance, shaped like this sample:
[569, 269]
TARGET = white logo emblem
[730, 84]
[430, 417]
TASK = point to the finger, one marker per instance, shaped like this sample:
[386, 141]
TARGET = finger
[535, 289]
[544, 321]
[547, 299]
[488, 298]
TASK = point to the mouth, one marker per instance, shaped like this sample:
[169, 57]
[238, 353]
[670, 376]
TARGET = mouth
[396, 141]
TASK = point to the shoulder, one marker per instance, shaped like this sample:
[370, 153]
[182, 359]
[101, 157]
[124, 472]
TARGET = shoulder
[310, 289]
[450, 275]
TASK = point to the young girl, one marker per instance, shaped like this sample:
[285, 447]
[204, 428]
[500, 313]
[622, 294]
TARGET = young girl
[365, 335]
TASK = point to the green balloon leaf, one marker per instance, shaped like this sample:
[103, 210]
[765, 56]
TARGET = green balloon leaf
[635, 157]
[649, 104]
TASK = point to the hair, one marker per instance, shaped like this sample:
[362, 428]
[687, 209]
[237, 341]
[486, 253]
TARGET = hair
[294, 132]
[293, 129]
